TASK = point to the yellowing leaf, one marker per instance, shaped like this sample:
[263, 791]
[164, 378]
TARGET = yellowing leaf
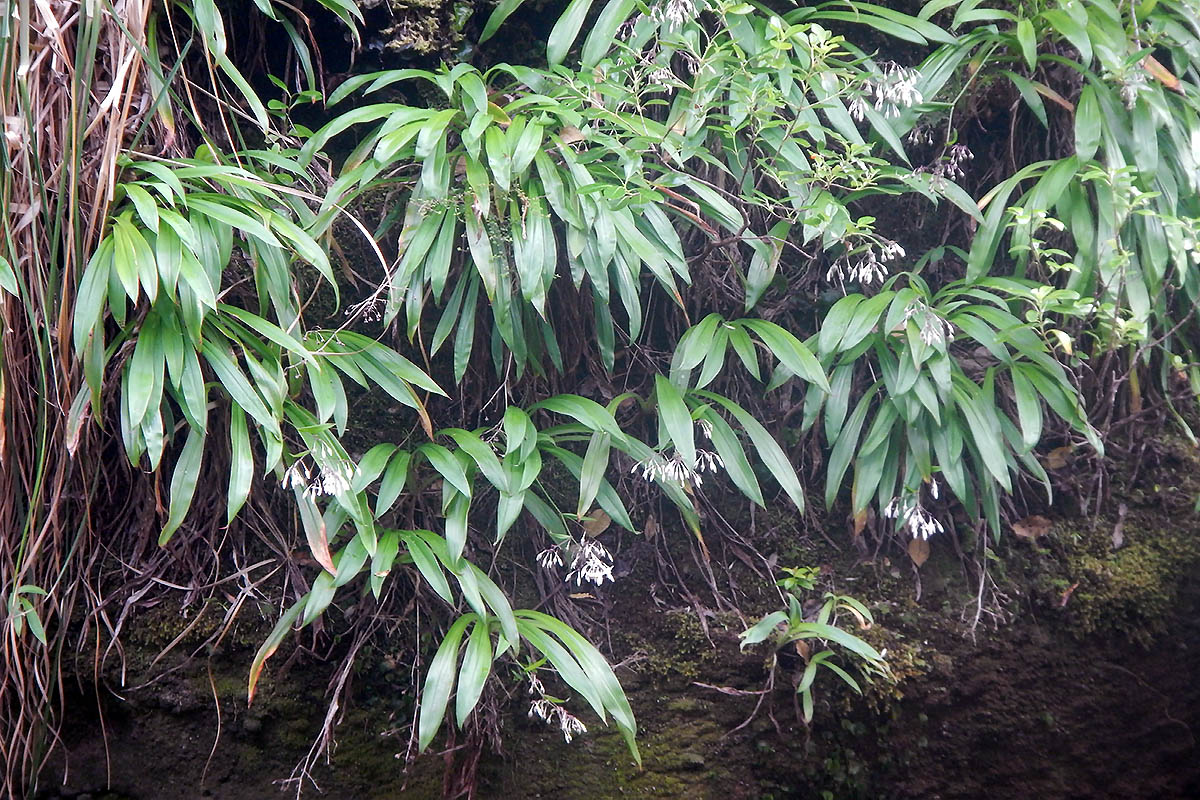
[1161, 74]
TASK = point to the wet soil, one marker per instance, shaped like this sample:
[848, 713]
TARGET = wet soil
[1025, 711]
[1086, 684]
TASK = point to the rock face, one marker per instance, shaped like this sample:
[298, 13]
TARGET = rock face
[1067, 698]
[415, 30]
[1086, 685]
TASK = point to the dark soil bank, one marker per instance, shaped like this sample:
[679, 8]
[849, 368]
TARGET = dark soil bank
[1082, 681]
[1026, 712]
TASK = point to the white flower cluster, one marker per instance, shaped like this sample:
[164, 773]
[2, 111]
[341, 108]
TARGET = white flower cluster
[869, 267]
[951, 166]
[549, 558]
[368, 310]
[675, 12]
[894, 88]
[935, 331]
[550, 712]
[908, 509]
[333, 475]
[662, 79]
[676, 469]
[592, 563]
[673, 468]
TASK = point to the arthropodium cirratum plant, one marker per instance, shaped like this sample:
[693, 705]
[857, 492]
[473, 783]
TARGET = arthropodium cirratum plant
[173, 238]
[755, 146]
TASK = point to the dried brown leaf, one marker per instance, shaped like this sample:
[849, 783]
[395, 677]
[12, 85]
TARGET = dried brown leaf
[651, 529]
[1059, 457]
[918, 551]
[596, 522]
[1032, 527]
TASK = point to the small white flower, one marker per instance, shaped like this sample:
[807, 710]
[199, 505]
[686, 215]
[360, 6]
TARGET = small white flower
[542, 708]
[297, 475]
[549, 558]
[890, 251]
[920, 523]
[333, 475]
[708, 460]
[675, 12]
[592, 563]
[858, 108]
[367, 310]
[570, 725]
[934, 330]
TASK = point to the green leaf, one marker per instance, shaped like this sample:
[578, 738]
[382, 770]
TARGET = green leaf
[734, 457]
[694, 345]
[603, 34]
[371, 466]
[606, 495]
[439, 682]
[318, 598]
[769, 451]
[1029, 410]
[792, 354]
[808, 630]
[481, 453]
[502, 11]
[8, 278]
[595, 464]
[381, 563]
[759, 631]
[476, 666]
[497, 601]
[845, 448]
[271, 644]
[427, 564]
[448, 466]
[833, 328]
[145, 370]
[674, 414]
[456, 526]
[241, 463]
[765, 262]
[1027, 41]
[394, 478]
[565, 31]
[183, 483]
[1088, 124]
[595, 416]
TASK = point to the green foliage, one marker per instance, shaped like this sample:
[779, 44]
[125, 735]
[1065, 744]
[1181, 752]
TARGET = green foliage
[722, 162]
[792, 627]
[972, 419]
[1127, 195]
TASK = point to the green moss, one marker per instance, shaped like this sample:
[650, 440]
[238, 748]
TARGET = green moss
[676, 649]
[1131, 591]
[423, 28]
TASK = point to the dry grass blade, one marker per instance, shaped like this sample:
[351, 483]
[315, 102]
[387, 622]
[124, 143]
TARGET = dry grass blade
[72, 96]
